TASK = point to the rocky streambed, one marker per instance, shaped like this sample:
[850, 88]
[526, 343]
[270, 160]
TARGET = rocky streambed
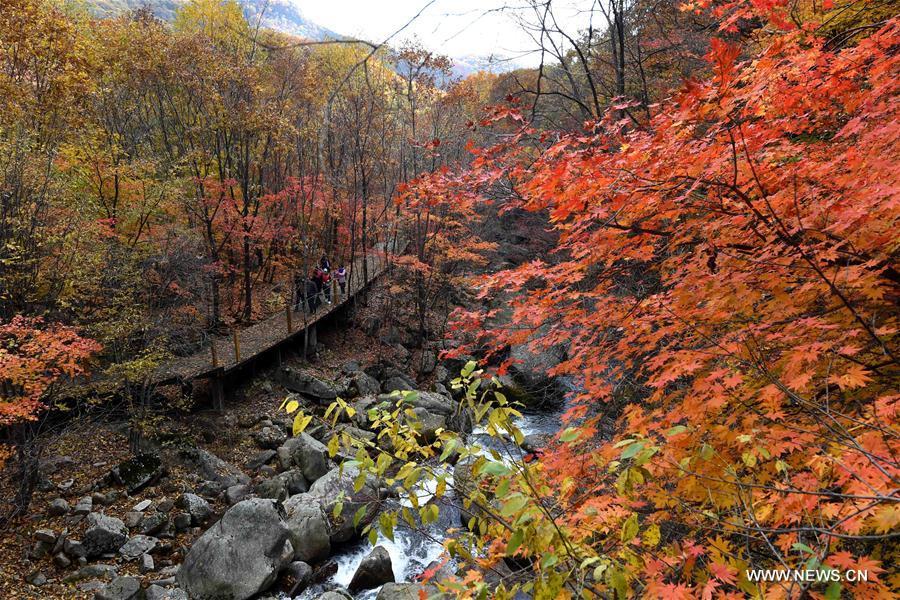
[267, 529]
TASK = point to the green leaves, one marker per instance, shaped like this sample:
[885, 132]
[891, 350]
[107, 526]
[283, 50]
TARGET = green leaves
[513, 505]
[629, 528]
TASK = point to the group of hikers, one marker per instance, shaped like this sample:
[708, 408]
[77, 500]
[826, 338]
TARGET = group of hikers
[313, 290]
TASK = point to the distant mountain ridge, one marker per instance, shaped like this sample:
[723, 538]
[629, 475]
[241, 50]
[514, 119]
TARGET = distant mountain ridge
[280, 15]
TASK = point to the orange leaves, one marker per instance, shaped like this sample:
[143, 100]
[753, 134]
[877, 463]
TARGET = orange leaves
[33, 356]
[855, 376]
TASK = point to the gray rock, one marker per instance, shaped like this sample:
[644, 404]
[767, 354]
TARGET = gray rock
[269, 437]
[294, 482]
[83, 506]
[334, 485]
[104, 534]
[308, 527]
[146, 563]
[300, 574]
[154, 523]
[210, 489]
[364, 384]
[396, 383]
[36, 578]
[196, 507]
[40, 549]
[334, 595]
[138, 545]
[307, 385]
[350, 367]
[74, 548]
[45, 535]
[165, 505]
[156, 592]
[142, 505]
[133, 519]
[374, 570]
[212, 468]
[58, 507]
[61, 560]
[404, 591]
[426, 423]
[429, 361]
[239, 556]
[271, 488]
[260, 458]
[137, 473]
[441, 374]
[306, 453]
[181, 522]
[236, 493]
[121, 588]
[94, 585]
[106, 572]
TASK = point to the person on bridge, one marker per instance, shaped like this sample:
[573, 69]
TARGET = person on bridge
[311, 295]
[342, 279]
[324, 263]
[326, 285]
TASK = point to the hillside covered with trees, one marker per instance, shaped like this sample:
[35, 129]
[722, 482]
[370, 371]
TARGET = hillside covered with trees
[623, 324]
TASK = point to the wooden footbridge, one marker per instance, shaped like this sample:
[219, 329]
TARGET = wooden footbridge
[225, 354]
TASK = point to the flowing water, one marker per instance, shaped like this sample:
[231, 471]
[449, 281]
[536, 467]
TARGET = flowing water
[413, 550]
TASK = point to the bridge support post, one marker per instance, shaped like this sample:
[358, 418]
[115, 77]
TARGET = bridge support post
[218, 391]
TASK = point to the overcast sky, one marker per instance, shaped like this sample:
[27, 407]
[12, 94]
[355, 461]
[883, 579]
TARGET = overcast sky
[456, 28]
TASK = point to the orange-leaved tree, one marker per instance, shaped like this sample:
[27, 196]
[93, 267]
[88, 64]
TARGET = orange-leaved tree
[731, 263]
[34, 356]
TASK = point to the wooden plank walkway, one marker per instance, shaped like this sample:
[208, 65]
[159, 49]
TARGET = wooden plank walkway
[227, 353]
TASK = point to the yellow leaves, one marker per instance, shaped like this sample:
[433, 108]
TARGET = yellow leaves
[886, 518]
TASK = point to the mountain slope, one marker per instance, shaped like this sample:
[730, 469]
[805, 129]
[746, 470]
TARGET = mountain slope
[280, 15]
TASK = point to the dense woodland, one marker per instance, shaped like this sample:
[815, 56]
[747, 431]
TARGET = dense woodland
[694, 206]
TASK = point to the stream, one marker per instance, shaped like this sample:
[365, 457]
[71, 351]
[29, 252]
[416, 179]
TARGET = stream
[413, 550]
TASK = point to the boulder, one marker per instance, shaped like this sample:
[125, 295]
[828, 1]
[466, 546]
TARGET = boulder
[138, 545]
[260, 458]
[364, 384]
[241, 555]
[121, 588]
[405, 591]
[339, 483]
[154, 523]
[236, 493]
[308, 527]
[426, 423]
[395, 383]
[294, 482]
[196, 507]
[305, 452]
[58, 507]
[146, 564]
[83, 506]
[300, 575]
[269, 437]
[271, 488]
[103, 534]
[212, 468]
[374, 570]
[45, 535]
[91, 571]
[333, 595]
[307, 385]
[156, 592]
[137, 473]
[429, 362]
